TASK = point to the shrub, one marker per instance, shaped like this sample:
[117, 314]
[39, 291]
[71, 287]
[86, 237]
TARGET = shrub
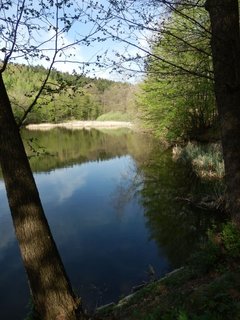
[114, 116]
[231, 240]
[206, 258]
[206, 161]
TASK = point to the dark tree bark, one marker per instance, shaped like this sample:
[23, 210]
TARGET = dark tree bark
[225, 43]
[52, 294]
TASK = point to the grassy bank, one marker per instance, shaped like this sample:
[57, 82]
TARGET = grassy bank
[207, 288]
[206, 160]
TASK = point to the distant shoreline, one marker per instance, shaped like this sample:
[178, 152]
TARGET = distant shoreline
[81, 125]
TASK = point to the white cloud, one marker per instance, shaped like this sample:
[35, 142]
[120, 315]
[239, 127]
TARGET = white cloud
[70, 52]
[46, 45]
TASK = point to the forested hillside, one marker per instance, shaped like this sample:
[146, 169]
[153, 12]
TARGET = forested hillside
[66, 96]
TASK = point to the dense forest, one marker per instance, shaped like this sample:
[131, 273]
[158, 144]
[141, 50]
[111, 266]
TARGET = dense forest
[67, 96]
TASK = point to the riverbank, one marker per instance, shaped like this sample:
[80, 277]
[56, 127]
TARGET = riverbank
[208, 287]
[72, 125]
[182, 296]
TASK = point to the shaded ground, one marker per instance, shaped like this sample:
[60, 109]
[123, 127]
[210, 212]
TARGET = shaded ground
[182, 296]
[207, 288]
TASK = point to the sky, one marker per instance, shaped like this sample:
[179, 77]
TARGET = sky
[91, 32]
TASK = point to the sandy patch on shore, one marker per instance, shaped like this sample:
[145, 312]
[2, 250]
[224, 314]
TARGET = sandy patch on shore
[81, 125]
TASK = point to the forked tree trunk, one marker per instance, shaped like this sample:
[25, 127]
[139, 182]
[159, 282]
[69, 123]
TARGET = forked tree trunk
[50, 288]
[225, 45]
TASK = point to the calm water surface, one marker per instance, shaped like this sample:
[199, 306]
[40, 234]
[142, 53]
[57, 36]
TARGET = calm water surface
[110, 199]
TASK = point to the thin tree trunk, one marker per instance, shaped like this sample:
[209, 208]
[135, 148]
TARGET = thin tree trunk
[225, 45]
[50, 288]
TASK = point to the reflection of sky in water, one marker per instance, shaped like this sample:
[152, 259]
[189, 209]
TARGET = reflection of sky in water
[64, 184]
[101, 247]
[6, 229]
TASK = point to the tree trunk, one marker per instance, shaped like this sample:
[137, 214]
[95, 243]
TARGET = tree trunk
[225, 45]
[52, 294]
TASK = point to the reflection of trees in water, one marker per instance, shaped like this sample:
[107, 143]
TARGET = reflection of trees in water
[177, 227]
[139, 147]
[154, 178]
[174, 225]
[127, 189]
[32, 239]
[64, 147]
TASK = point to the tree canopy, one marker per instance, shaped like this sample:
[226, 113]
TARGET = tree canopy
[177, 94]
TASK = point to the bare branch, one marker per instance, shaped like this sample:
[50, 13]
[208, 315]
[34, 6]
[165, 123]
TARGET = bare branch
[15, 32]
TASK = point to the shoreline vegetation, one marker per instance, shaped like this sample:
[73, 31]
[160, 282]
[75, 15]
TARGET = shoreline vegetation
[207, 287]
[72, 125]
[205, 160]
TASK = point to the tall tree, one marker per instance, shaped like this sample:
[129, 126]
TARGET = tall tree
[225, 43]
[20, 24]
[50, 288]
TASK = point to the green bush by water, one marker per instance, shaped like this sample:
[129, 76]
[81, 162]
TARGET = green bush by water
[231, 240]
[115, 116]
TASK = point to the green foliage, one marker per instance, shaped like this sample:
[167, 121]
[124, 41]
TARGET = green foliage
[231, 240]
[221, 247]
[204, 260]
[114, 116]
[199, 291]
[182, 316]
[32, 314]
[176, 103]
[216, 300]
[66, 96]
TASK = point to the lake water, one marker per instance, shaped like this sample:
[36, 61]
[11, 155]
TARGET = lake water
[111, 202]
